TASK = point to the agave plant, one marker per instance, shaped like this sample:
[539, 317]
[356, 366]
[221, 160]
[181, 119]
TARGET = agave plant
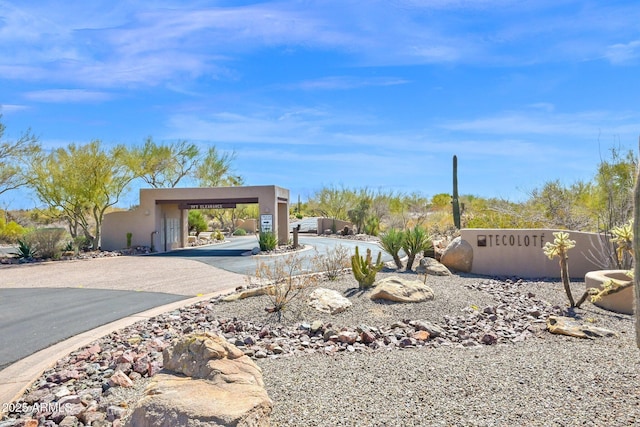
[25, 250]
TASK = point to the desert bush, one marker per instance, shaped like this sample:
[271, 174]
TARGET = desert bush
[240, 232]
[267, 240]
[416, 240]
[217, 235]
[47, 242]
[286, 282]
[197, 222]
[392, 242]
[364, 270]
[10, 232]
[372, 226]
[333, 262]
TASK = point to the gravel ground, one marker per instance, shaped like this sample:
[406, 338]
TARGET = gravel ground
[528, 377]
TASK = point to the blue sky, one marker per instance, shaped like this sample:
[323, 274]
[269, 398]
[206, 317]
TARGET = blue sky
[377, 94]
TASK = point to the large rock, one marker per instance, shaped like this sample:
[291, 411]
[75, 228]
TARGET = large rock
[570, 327]
[206, 382]
[399, 289]
[432, 267]
[458, 255]
[328, 301]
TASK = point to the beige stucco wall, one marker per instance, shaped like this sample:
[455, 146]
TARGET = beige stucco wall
[330, 224]
[151, 216]
[250, 225]
[518, 252]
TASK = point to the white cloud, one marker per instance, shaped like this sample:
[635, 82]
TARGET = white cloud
[67, 95]
[346, 82]
[623, 53]
[10, 108]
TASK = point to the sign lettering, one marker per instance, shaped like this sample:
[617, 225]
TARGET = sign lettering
[494, 240]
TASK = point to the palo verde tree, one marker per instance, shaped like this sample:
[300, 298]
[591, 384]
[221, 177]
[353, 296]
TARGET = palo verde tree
[80, 182]
[163, 165]
[12, 156]
[214, 169]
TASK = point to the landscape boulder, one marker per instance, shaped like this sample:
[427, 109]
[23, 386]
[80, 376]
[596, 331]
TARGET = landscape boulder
[328, 301]
[568, 326]
[431, 267]
[399, 289]
[206, 381]
[458, 255]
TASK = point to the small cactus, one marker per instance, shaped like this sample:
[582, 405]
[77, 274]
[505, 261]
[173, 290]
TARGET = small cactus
[364, 270]
[455, 202]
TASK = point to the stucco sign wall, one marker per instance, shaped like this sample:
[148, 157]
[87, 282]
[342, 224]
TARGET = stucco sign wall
[518, 252]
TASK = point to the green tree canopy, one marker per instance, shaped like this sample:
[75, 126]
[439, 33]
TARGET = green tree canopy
[12, 157]
[81, 182]
[163, 165]
[214, 170]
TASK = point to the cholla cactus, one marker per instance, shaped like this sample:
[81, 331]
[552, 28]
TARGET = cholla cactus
[623, 239]
[561, 244]
[364, 270]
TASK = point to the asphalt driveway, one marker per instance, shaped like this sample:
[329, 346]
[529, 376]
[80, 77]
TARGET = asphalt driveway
[33, 319]
[235, 255]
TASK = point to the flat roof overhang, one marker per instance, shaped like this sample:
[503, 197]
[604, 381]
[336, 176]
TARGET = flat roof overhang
[229, 202]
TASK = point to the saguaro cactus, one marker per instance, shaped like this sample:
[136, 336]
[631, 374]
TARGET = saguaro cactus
[455, 203]
[364, 270]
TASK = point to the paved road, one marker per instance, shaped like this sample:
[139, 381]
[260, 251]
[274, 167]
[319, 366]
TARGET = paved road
[235, 255]
[33, 319]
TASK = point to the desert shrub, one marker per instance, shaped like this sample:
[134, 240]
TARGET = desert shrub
[333, 262]
[47, 242]
[10, 232]
[392, 242]
[285, 282]
[197, 222]
[217, 235]
[416, 240]
[267, 241]
[240, 232]
[372, 226]
[364, 270]
[81, 243]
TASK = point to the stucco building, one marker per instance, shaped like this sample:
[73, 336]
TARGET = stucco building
[161, 219]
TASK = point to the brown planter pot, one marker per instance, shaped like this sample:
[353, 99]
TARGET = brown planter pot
[620, 302]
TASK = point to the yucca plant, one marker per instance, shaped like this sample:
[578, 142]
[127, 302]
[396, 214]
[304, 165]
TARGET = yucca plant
[416, 240]
[392, 241]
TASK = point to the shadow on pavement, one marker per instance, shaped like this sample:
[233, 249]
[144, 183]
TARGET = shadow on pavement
[195, 253]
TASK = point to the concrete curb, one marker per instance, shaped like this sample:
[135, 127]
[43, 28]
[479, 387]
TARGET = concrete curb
[16, 378]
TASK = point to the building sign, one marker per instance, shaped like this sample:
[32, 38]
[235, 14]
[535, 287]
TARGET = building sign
[519, 252]
[498, 239]
[266, 223]
[208, 206]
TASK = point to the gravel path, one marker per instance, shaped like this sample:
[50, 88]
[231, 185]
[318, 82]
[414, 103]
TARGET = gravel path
[493, 364]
